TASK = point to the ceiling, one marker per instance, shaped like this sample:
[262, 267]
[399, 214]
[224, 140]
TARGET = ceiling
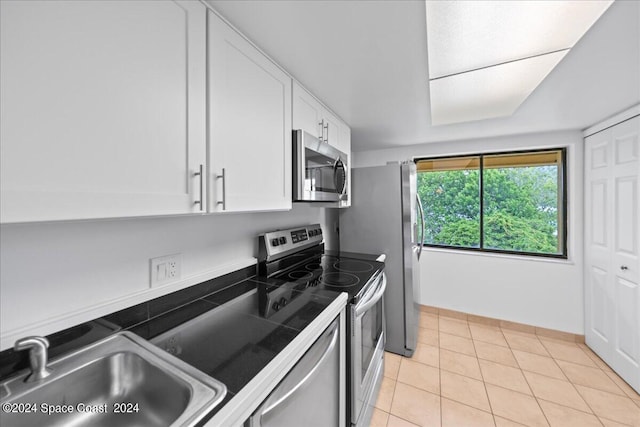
[367, 60]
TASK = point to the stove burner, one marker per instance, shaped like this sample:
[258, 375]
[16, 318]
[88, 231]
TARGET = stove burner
[353, 266]
[339, 279]
[312, 266]
[298, 274]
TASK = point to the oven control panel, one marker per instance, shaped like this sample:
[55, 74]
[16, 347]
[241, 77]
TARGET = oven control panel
[283, 242]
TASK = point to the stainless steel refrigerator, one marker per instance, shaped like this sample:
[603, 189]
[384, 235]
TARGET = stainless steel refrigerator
[386, 217]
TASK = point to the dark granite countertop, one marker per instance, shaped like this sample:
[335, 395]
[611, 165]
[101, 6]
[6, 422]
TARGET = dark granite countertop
[232, 348]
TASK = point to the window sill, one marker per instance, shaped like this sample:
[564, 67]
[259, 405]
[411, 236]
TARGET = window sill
[568, 261]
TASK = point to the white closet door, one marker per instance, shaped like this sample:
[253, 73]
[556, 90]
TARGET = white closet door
[612, 235]
[624, 265]
[598, 238]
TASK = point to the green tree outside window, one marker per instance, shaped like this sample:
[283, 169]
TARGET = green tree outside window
[522, 202]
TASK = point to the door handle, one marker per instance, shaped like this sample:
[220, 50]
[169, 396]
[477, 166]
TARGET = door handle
[333, 339]
[422, 220]
[379, 292]
[338, 168]
[624, 267]
[321, 123]
[201, 201]
[224, 189]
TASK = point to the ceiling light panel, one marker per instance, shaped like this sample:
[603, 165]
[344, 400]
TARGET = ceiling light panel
[468, 35]
[490, 92]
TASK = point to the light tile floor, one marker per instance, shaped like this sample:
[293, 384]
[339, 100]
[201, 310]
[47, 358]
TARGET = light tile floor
[468, 374]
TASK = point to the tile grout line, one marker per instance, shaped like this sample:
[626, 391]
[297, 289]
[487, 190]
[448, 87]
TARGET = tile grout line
[533, 394]
[566, 379]
[511, 350]
[569, 407]
[601, 391]
[393, 395]
[606, 372]
[572, 384]
[395, 383]
[548, 355]
[564, 374]
[542, 340]
[484, 384]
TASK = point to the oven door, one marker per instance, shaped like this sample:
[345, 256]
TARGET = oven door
[367, 350]
[320, 172]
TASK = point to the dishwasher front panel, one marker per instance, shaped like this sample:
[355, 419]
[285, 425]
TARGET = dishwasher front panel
[309, 394]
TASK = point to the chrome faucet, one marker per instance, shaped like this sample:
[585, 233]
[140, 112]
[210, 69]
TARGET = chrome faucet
[37, 347]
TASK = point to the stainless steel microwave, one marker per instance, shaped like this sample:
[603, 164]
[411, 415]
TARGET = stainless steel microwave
[319, 170]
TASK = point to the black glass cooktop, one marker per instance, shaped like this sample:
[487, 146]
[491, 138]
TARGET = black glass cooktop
[318, 271]
[332, 273]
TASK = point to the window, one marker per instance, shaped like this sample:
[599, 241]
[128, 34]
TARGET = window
[504, 202]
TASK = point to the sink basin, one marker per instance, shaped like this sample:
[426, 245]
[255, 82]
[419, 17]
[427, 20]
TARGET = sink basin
[119, 381]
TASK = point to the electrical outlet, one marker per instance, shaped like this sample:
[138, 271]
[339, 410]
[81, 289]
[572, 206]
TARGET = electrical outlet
[165, 269]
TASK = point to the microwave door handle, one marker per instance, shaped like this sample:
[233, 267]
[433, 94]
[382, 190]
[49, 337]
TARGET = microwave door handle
[361, 309]
[335, 173]
[346, 177]
[303, 381]
[336, 164]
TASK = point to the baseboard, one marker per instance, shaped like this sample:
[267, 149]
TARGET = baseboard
[506, 324]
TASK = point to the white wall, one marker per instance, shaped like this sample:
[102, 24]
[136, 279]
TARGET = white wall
[56, 275]
[541, 292]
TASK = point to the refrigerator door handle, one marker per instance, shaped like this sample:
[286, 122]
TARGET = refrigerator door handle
[422, 221]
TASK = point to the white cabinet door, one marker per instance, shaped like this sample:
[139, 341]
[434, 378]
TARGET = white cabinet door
[344, 138]
[103, 108]
[612, 222]
[307, 112]
[331, 129]
[249, 123]
[310, 115]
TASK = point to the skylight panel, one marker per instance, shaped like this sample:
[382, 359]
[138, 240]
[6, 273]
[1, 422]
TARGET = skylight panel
[474, 43]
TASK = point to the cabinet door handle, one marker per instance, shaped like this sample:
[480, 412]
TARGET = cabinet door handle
[327, 133]
[201, 200]
[224, 189]
[321, 124]
[624, 267]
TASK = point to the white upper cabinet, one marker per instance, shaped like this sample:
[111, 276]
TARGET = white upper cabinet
[307, 112]
[344, 139]
[310, 115]
[331, 127]
[103, 108]
[249, 124]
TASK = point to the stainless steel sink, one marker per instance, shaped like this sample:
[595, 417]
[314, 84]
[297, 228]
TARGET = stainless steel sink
[120, 381]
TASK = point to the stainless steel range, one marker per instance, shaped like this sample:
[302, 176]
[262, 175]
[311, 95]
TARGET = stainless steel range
[294, 259]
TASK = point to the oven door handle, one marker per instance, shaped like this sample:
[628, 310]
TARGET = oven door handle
[379, 292]
[333, 339]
